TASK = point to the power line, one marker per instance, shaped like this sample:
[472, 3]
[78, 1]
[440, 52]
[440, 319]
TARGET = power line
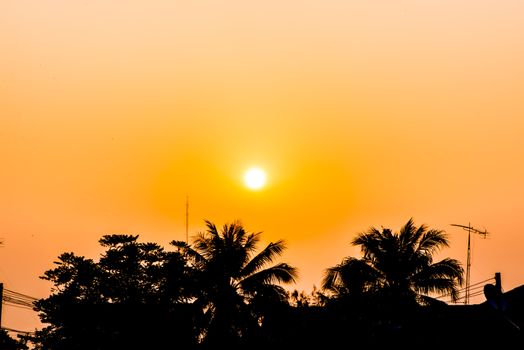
[470, 287]
[17, 331]
[19, 294]
[15, 299]
[473, 290]
[17, 306]
[12, 298]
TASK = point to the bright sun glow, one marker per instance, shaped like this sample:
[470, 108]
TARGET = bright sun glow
[255, 178]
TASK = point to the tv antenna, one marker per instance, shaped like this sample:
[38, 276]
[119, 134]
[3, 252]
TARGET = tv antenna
[483, 234]
[187, 219]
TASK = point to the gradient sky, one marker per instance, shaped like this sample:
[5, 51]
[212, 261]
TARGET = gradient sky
[363, 113]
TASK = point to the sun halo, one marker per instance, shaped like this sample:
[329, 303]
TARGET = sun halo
[255, 178]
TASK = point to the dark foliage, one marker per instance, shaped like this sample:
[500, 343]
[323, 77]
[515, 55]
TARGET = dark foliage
[9, 343]
[221, 293]
[139, 296]
[134, 297]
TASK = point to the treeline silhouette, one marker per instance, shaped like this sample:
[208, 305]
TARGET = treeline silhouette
[222, 292]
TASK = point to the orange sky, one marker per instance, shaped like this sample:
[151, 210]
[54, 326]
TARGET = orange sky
[363, 113]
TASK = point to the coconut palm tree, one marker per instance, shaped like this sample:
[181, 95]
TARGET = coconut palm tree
[234, 279]
[397, 266]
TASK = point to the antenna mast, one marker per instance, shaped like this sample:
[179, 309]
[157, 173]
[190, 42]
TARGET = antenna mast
[468, 263]
[187, 219]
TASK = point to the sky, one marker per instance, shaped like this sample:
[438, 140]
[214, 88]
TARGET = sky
[116, 114]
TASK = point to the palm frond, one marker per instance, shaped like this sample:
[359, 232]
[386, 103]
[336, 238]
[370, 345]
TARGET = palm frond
[408, 232]
[191, 253]
[266, 256]
[369, 242]
[352, 275]
[331, 278]
[211, 228]
[419, 232]
[444, 276]
[280, 273]
[233, 234]
[267, 297]
[432, 241]
[251, 241]
[448, 268]
[441, 286]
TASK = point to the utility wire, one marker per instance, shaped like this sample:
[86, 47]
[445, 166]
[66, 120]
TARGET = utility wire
[17, 306]
[19, 294]
[19, 300]
[16, 299]
[471, 287]
[17, 331]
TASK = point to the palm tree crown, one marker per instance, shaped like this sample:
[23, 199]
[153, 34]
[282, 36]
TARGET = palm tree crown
[234, 276]
[397, 265]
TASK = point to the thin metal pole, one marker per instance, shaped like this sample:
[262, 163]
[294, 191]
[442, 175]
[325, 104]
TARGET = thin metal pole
[187, 219]
[468, 267]
[470, 229]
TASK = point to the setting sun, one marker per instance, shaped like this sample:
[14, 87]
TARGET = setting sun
[255, 178]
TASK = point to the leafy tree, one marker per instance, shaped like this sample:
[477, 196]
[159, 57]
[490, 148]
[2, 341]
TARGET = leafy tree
[134, 295]
[398, 267]
[132, 271]
[238, 286]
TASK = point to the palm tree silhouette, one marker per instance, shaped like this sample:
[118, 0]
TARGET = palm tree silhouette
[234, 279]
[398, 267]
